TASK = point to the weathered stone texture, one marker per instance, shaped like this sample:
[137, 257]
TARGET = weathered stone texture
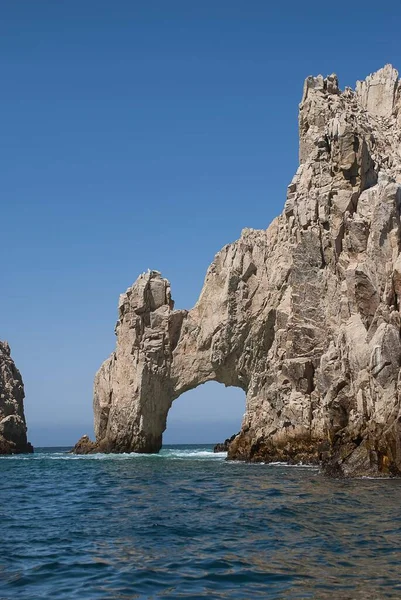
[304, 316]
[12, 420]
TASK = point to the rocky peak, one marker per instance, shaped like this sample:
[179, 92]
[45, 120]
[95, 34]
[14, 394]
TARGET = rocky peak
[379, 93]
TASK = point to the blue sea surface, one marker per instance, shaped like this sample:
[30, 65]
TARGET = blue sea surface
[188, 524]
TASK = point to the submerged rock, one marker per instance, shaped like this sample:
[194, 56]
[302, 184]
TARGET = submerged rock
[303, 316]
[13, 430]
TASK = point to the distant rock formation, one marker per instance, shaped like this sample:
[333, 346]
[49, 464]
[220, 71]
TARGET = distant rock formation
[84, 446]
[304, 317]
[13, 429]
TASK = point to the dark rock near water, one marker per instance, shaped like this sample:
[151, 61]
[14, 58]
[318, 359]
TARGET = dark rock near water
[85, 446]
[13, 429]
[296, 451]
[223, 446]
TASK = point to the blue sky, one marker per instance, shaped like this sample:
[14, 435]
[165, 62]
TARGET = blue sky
[143, 135]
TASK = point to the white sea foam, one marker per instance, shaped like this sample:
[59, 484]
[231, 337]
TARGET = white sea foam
[274, 464]
[172, 453]
[165, 453]
[385, 478]
[295, 466]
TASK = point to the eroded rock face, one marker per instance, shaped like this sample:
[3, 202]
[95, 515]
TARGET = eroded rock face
[304, 317]
[12, 420]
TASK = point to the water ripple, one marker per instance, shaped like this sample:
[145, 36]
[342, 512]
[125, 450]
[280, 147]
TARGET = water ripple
[187, 524]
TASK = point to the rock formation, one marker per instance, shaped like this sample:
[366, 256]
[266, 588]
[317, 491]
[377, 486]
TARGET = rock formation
[304, 317]
[224, 446]
[12, 420]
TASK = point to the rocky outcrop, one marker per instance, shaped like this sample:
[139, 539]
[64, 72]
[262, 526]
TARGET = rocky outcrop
[304, 317]
[224, 446]
[13, 429]
[85, 446]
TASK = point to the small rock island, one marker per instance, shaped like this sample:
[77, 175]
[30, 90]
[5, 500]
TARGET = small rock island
[13, 430]
[303, 316]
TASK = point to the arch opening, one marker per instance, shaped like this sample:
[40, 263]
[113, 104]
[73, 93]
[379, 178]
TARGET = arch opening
[206, 414]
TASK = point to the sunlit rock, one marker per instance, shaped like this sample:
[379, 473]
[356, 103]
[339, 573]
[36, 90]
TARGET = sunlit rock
[12, 419]
[303, 316]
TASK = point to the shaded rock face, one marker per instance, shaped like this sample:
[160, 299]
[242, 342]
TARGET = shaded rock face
[304, 316]
[224, 446]
[12, 420]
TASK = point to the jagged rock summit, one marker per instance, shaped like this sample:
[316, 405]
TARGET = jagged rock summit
[13, 429]
[304, 317]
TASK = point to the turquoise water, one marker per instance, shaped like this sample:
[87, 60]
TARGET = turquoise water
[188, 524]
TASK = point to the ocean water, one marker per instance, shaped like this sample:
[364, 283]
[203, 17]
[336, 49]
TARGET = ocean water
[187, 524]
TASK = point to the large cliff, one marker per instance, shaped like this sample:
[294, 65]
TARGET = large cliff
[12, 420]
[303, 316]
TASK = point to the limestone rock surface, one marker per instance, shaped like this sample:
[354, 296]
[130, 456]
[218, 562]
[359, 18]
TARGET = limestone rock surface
[13, 428]
[303, 316]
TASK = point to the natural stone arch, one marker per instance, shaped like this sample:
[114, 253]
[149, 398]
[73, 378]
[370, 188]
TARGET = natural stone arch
[304, 316]
[227, 337]
[161, 354]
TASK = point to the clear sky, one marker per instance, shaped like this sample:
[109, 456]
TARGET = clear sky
[140, 135]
